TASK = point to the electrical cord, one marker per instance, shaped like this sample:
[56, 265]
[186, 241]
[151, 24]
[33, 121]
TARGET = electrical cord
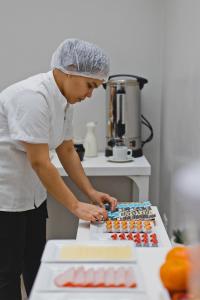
[145, 122]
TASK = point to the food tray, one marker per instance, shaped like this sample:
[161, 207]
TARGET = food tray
[132, 210]
[97, 233]
[115, 251]
[128, 226]
[87, 296]
[45, 281]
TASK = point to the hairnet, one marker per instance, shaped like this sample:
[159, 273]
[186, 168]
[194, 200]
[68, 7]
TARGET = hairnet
[81, 58]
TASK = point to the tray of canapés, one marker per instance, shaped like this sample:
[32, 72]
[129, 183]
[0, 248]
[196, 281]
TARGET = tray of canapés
[139, 239]
[140, 232]
[130, 221]
[135, 226]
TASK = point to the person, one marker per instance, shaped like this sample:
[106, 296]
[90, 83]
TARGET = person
[35, 117]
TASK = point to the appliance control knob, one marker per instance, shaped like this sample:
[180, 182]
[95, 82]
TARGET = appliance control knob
[111, 143]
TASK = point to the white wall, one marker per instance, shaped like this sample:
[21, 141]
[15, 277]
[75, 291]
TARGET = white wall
[131, 31]
[180, 126]
[134, 35]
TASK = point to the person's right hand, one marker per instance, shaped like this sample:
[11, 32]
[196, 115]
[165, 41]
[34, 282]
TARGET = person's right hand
[90, 212]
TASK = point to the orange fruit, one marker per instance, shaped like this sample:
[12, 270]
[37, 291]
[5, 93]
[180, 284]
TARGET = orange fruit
[174, 274]
[178, 253]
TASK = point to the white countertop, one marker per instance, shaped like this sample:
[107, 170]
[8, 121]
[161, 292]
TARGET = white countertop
[99, 166]
[150, 260]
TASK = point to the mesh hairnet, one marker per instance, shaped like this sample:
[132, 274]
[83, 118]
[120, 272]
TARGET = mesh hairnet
[77, 57]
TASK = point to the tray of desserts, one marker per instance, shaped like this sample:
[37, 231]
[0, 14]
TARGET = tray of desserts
[135, 226]
[88, 251]
[101, 277]
[138, 239]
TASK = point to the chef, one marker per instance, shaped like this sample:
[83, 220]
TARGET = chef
[36, 117]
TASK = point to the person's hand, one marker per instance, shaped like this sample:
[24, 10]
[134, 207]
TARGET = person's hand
[89, 212]
[102, 198]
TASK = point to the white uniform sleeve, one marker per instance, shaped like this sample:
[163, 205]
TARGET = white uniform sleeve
[28, 117]
[68, 126]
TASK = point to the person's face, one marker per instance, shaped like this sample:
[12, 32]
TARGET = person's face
[78, 88]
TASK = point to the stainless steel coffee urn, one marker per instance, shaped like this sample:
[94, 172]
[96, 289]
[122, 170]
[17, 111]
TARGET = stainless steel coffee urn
[123, 113]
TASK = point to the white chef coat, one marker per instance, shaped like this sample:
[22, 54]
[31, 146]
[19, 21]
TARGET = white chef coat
[34, 111]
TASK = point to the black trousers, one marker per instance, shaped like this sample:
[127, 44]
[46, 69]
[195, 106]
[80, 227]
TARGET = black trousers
[22, 241]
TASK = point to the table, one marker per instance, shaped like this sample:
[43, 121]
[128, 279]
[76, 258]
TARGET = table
[138, 171]
[149, 259]
[83, 232]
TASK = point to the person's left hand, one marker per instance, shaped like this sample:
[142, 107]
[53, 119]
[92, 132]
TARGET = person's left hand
[101, 198]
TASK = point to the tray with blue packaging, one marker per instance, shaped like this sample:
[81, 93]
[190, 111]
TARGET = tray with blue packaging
[131, 210]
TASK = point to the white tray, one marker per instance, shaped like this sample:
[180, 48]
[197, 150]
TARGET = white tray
[97, 233]
[53, 249]
[87, 296]
[49, 271]
[164, 295]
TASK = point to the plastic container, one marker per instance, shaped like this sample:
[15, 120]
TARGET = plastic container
[90, 143]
